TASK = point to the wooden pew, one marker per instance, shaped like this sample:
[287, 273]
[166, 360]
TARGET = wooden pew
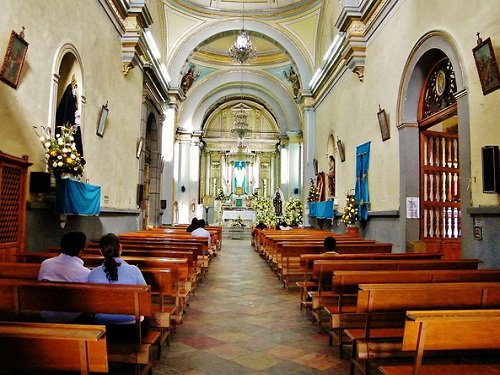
[22, 299]
[385, 306]
[323, 272]
[55, 347]
[345, 285]
[178, 266]
[160, 280]
[307, 283]
[448, 331]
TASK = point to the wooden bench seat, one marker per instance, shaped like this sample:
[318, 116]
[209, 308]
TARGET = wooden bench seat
[449, 331]
[24, 299]
[345, 285]
[323, 272]
[388, 303]
[49, 346]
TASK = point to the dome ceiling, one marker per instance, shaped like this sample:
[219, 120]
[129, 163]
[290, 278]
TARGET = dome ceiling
[230, 6]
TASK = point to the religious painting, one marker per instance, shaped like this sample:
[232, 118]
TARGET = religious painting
[14, 59]
[486, 64]
[103, 116]
[384, 126]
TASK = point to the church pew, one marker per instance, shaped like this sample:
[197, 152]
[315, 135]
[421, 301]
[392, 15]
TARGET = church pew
[385, 306]
[54, 347]
[323, 272]
[178, 266]
[160, 280]
[448, 332]
[22, 299]
[345, 285]
[307, 261]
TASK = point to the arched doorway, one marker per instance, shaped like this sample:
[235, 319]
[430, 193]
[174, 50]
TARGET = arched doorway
[151, 175]
[447, 113]
[440, 213]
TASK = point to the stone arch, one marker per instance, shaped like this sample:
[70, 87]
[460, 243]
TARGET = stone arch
[191, 41]
[67, 61]
[266, 87]
[429, 47]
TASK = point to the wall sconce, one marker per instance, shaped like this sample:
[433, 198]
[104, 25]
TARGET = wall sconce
[341, 149]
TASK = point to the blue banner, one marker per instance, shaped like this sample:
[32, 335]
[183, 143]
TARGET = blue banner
[77, 198]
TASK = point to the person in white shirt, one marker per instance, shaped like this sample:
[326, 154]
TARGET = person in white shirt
[202, 232]
[68, 267]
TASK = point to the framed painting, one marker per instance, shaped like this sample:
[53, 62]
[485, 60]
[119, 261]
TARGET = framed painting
[486, 64]
[341, 150]
[14, 59]
[103, 116]
[384, 126]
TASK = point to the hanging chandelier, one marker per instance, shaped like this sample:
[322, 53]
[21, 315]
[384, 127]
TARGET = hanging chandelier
[241, 128]
[242, 50]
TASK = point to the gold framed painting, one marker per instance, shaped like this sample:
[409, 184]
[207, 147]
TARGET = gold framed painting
[14, 59]
[486, 64]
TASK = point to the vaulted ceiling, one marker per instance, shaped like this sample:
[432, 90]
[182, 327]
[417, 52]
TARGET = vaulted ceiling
[199, 33]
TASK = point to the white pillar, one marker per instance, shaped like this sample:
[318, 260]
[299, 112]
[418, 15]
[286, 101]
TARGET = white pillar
[307, 168]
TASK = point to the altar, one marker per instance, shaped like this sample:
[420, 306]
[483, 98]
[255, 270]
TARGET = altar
[245, 215]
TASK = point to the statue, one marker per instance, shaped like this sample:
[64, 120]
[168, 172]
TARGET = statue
[294, 79]
[278, 202]
[189, 78]
[331, 175]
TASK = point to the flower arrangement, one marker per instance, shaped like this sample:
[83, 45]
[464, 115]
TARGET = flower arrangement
[264, 211]
[220, 195]
[60, 152]
[350, 215]
[293, 211]
[238, 223]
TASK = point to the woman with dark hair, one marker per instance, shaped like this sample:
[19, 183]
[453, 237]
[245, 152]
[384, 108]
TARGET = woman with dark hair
[194, 225]
[114, 270]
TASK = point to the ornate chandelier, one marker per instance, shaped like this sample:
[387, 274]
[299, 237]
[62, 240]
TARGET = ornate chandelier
[242, 50]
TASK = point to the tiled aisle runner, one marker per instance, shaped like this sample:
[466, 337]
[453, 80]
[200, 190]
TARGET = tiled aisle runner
[241, 321]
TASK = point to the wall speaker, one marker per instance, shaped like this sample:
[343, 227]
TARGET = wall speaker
[163, 204]
[296, 191]
[39, 182]
[491, 169]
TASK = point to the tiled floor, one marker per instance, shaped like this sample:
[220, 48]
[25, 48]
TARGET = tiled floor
[241, 321]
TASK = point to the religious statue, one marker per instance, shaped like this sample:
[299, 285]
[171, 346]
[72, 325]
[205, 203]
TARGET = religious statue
[294, 79]
[278, 202]
[189, 78]
[331, 175]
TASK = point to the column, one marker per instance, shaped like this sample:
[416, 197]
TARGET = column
[309, 133]
[295, 163]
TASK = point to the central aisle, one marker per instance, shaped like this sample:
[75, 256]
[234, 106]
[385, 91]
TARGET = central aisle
[241, 321]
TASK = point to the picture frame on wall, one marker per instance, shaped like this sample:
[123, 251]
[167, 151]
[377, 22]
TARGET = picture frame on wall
[341, 150]
[384, 126]
[139, 148]
[486, 64]
[14, 59]
[103, 116]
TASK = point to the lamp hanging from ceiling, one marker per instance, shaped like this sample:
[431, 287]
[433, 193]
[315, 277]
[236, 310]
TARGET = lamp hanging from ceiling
[242, 50]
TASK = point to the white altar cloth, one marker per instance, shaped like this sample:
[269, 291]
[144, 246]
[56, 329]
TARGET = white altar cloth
[242, 214]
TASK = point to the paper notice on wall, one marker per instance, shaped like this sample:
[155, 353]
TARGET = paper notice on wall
[412, 207]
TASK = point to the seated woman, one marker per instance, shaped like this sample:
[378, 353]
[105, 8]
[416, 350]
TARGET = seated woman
[115, 270]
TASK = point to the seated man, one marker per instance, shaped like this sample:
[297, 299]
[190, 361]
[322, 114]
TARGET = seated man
[200, 231]
[68, 267]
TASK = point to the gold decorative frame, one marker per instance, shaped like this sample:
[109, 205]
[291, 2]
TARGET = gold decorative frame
[486, 64]
[14, 59]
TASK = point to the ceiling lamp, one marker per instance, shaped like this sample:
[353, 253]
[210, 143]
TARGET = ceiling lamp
[242, 50]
